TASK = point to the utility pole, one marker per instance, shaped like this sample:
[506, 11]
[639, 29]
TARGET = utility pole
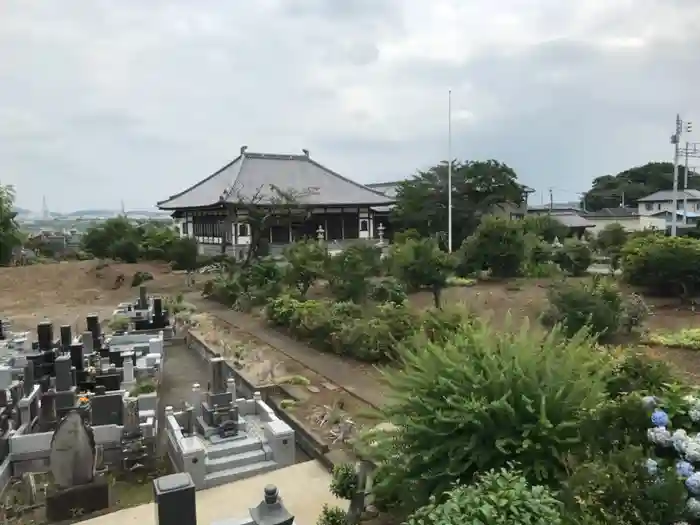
[685, 184]
[449, 171]
[551, 200]
[675, 140]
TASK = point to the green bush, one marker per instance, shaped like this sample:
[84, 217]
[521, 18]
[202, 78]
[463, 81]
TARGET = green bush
[498, 245]
[483, 398]
[388, 290]
[544, 227]
[636, 372]
[371, 334]
[421, 264]
[348, 272]
[119, 323]
[141, 277]
[307, 261]
[663, 265]
[618, 490]
[332, 516]
[499, 497]
[574, 257]
[596, 305]
[344, 481]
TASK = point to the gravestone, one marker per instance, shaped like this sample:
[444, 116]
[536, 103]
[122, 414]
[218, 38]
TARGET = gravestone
[72, 464]
[44, 332]
[28, 379]
[88, 343]
[111, 381]
[64, 377]
[107, 409]
[174, 497]
[66, 337]
[92, 322]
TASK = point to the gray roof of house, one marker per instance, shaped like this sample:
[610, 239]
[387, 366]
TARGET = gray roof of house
[572, 220]
[667, 195]
[387, 188]
[252, 174]
[612, 212]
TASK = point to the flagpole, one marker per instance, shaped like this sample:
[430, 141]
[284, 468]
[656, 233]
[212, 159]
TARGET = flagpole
[449, 171]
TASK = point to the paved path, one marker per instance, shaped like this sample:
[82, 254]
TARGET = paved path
[304, 488]
[181, 369]
[361, 379]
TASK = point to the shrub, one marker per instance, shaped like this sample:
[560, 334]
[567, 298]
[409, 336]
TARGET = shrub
[141, 277]
[574, 257]
[344, 481]
[307, 262]
[371, 334]
[348, 272]
[596, 306]
[635, 372]
[332, 516]
[422, 264]
[483, 398]
[497, 245]
[126, 250]
[388, 290]
[610, 241]
[663, 265]
[499, 497]
[143, 387]
[618, 489]
[119, 323]
[544, 227]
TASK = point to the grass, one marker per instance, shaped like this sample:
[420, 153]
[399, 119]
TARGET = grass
[688, 338]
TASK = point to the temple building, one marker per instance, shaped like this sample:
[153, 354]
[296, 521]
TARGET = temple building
[305, 199]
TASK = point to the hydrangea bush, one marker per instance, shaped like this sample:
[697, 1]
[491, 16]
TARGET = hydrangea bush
[675, 422]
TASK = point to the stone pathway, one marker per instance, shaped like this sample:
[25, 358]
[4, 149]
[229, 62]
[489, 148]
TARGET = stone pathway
[361, 379]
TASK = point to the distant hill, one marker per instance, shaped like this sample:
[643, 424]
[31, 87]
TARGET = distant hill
[93, 213]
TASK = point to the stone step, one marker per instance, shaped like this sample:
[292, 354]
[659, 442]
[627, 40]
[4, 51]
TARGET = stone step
[232, 447]
[237, 460]
[230, 475]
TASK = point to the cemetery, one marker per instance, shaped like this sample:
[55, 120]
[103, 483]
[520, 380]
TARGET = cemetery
[74, 409]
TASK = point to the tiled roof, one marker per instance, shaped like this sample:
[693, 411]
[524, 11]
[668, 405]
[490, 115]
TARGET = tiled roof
[252, 174]
[612, 212]
[667, 195]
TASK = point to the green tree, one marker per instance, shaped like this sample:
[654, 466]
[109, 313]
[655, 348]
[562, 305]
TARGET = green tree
[477, 188]
[608, 191]
[10, 235]
[307, 261]
[421, 263]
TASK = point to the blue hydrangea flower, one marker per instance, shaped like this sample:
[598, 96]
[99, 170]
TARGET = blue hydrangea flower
[684, 469]
[652, 467]
[649, 402]
[693, 484]
[659, 418]
[693, 507]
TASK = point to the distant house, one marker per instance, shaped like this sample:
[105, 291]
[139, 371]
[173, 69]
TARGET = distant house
[214, 212]
[660, 205]
[628, 218]
[569, 214]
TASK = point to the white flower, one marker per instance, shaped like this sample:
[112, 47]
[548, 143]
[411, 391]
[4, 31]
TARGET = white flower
[693, 507]
[680, 440]
[694, 414]
[660, 436]
[692, 451]
[691, 399]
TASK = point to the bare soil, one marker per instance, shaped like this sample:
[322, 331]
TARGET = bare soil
[68, 291]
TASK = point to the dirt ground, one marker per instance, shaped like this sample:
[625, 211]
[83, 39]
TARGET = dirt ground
[68, 291]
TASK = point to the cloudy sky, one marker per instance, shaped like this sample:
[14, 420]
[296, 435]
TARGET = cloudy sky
[103, 100]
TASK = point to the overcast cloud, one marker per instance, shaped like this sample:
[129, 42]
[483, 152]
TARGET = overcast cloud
[137, 99]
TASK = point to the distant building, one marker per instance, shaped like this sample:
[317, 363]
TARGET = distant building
[628, 218]
[213, 210]
[570, 214]
[660, 205]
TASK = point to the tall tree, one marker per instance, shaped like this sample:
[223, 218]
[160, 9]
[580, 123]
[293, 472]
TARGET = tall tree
[477, 187]
[10, 235]
[609, 191]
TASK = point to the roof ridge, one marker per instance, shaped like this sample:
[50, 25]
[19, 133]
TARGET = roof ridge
[196, 185]
[345, 179]
[228, 191]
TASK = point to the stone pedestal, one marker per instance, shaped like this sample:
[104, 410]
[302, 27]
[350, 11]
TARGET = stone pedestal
[174, 497]
[66, 504]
